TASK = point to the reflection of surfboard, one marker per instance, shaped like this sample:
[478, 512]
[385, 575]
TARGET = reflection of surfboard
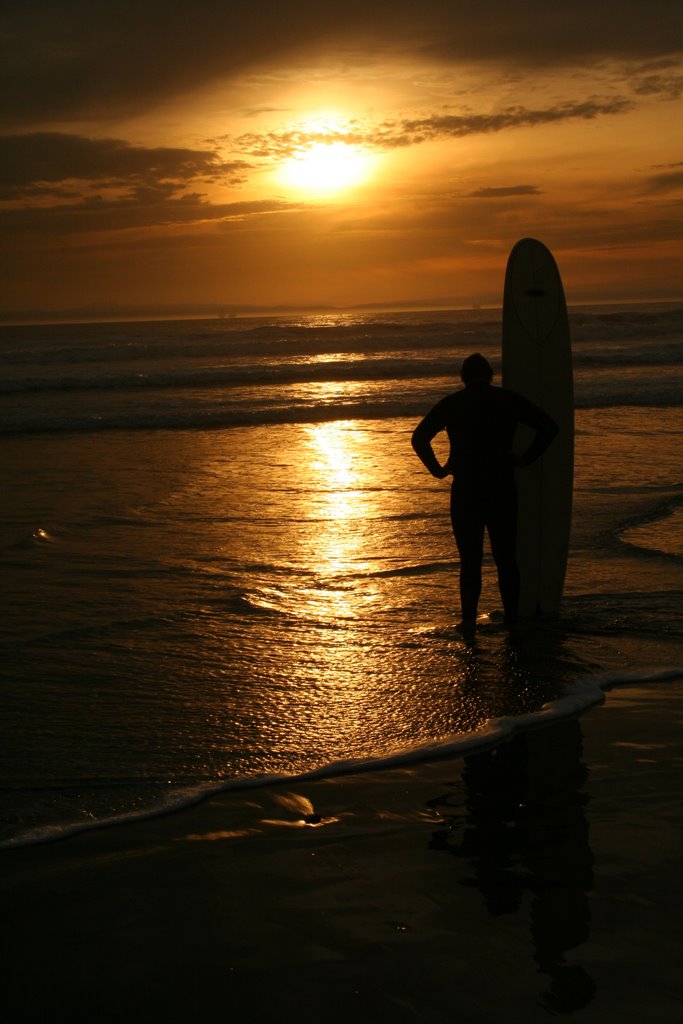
[537, 363]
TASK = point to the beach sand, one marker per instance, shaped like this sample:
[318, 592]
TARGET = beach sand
[543, 878]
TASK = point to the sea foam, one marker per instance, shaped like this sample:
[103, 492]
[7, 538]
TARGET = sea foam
[579, 696]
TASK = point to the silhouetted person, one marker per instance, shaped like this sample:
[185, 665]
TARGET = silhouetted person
[481, 421]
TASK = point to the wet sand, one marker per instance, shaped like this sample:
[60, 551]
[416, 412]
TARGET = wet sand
[541, 878]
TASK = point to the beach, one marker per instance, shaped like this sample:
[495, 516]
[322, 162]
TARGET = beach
[453, 890]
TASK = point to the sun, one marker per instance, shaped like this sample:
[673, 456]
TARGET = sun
[326, 168]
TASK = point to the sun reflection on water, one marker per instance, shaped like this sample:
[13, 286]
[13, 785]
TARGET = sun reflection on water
[345, 668]
[335, 663]
[339, 502]
[331, 440]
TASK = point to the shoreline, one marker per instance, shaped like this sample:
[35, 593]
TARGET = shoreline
[580, 696]
[540, 876]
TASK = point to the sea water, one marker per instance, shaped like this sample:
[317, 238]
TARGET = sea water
[222, 562]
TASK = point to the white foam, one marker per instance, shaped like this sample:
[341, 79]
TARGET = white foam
[580, 695]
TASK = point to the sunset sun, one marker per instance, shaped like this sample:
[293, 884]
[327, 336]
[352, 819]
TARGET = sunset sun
[325, 168]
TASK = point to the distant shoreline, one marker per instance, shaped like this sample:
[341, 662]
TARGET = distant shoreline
[229, 313]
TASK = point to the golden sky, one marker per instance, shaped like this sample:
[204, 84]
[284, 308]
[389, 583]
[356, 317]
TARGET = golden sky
[163, 157]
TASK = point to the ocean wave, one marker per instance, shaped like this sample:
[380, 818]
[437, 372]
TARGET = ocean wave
[275, 373]
[192, 340]
[636, 333]
[27, 419]
[578, 697]
[196, 374]
[426, 569]
[336, 366]
[661, 532]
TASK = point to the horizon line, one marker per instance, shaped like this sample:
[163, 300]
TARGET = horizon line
[221, 311]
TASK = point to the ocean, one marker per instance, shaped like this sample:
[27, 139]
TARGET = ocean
[224, 565]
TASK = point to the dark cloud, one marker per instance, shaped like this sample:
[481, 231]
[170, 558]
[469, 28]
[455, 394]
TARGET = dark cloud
[142, 210]
[71, 184]
[666, 181]
[43, 161]
[79, 59]
[668, 85]
[445, 126]
[537, 32]
[502, 192]
[413, 131]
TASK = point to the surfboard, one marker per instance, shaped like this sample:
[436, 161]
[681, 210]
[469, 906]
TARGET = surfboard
[537, 363]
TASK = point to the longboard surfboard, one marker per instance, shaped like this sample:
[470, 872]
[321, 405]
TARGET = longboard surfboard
[537, 363]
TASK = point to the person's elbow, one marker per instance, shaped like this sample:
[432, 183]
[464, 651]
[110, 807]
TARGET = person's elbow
[417, 439]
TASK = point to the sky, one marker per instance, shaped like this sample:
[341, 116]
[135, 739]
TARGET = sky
[162, 158]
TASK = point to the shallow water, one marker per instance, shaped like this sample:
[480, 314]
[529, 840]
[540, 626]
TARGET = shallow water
[188, 607]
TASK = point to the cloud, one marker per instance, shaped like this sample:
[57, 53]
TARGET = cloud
[667, 180]
[75, 59]
[96, 215]
[437, 127]
[44, 161]
[68, 184]
[449, 126]
[668, 86]
[505, 191]
[536, 32]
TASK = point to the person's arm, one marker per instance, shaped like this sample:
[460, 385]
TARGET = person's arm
[421, 441]
[546, 430]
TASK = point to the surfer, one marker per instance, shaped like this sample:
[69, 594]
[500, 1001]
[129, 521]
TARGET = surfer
[480, 421]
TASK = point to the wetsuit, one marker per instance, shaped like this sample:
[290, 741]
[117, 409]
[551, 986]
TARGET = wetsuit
[481, 421]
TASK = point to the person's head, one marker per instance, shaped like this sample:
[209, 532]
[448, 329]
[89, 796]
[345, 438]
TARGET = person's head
[476, 368]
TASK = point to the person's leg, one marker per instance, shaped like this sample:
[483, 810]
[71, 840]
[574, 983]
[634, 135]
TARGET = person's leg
[501, 523]
[467, 521]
